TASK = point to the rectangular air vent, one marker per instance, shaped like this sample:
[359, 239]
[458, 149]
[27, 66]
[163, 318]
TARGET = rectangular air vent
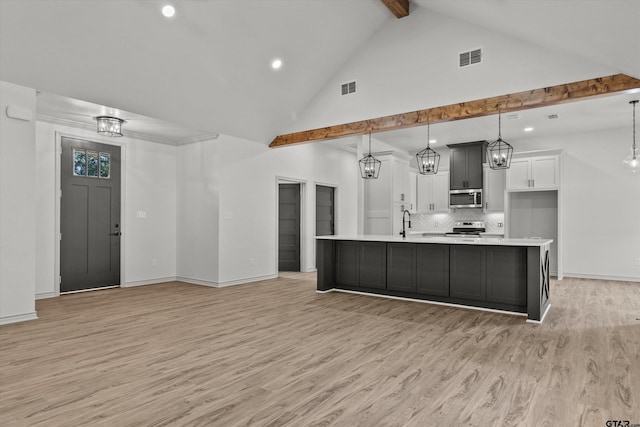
[552, 116]
[348, 88]
[471, 57]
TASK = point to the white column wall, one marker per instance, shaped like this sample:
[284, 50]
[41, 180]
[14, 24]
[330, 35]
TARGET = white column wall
[198, 212]
[17, 206]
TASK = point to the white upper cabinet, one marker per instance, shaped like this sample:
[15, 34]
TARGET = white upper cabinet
[493, 191]
[534, 173]
[433, 193]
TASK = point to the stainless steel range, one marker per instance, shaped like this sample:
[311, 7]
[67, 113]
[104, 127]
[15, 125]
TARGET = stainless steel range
[467, 228]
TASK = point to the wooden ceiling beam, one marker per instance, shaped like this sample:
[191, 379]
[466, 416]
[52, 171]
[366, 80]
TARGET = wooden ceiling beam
[535, 98]
[400, 8]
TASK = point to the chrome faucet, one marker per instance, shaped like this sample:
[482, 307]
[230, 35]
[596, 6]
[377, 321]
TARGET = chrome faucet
[403, 233]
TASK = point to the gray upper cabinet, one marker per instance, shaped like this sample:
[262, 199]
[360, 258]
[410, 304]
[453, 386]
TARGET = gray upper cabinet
[465, 165]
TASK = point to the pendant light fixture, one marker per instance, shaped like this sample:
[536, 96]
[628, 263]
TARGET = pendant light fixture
[109, 126]
[369, 165]
[428, 159]
[631, 161]
[499, 152]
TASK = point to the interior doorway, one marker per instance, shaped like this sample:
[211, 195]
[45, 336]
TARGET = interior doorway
[325, 210]
[89, 215]
[289, 227]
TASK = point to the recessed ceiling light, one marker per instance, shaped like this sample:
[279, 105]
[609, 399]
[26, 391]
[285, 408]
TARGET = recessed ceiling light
[276, 64]
[168, 11]
[529, 129]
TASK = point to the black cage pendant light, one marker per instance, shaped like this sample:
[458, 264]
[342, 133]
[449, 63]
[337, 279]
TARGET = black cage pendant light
[632, 162]
[499, 152]
[428, 159]
[369, 165]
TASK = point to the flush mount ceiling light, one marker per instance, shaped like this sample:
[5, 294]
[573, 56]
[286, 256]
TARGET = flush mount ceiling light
[499, 151]
[369, 165]
[276, 64]
[632, 162]
[428, 160]
[109, 126]
[168, 11]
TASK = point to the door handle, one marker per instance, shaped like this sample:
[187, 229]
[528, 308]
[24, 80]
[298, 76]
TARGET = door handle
[117, 233]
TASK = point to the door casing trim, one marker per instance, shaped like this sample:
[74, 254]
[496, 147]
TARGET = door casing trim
[304, 238]
[58, 190]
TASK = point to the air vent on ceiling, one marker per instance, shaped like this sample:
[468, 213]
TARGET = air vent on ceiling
[513, 116]
[552, 116]
[471, 57]
[348, 88]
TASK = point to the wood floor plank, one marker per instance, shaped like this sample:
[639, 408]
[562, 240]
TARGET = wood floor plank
[276, 353]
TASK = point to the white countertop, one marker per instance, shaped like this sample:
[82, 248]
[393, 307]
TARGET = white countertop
[492, 241]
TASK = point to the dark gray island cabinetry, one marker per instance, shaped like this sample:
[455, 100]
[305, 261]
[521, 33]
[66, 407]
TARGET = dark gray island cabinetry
[501, 274]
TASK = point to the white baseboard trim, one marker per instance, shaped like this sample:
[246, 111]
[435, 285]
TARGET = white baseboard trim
[446, 304]
[546, 310]
[599, 277]
[45, 295]
[18, 318]
[309, 270]
[148, 282]
[227, 283]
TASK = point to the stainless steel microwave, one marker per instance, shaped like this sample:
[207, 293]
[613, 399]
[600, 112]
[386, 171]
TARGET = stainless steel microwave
[471, 198]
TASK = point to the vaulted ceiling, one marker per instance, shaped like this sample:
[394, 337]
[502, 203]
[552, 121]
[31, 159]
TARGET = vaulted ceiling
[209, 67]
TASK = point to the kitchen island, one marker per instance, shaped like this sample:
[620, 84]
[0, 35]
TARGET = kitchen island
[510, 275]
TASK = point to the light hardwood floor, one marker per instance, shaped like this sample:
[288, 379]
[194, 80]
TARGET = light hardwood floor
[276, 353]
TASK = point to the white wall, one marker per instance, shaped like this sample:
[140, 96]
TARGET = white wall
[402, 69]
[17, 206]
[149, 185]
[600, 203]
[227, 193]
[248, 194]
[198, 212]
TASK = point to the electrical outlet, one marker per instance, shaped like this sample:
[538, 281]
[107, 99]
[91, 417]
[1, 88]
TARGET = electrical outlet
[500, 225]
[252, 261]
[154, 262]
[436, 225]
[637, 262]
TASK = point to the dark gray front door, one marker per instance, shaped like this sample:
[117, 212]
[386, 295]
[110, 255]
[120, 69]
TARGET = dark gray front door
[89, 215]
[289, 227]
[324, 210]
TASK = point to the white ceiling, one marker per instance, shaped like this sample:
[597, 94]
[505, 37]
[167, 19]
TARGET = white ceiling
[207, 70]
[64, 110]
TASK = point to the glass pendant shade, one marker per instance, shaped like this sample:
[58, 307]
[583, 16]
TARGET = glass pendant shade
[499, 152]
[109, 126]
[369, 165]
[428, 160]
[632, 161]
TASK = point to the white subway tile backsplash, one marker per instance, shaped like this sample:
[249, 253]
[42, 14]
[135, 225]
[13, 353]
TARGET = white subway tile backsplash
[444, 222]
